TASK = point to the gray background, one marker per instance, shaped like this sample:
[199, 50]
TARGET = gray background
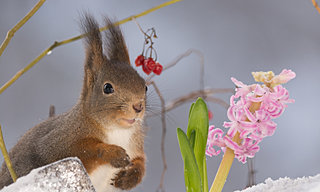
[235, 36]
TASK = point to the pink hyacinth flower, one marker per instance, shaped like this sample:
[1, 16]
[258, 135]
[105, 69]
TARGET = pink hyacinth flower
[242, 89]
[258, 94]
[247, 148]
[215, 138]
[281, 95]
[237, 122]
[262, 119]
[269, 101]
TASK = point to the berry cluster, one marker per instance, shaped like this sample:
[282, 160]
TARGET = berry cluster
[148, 65]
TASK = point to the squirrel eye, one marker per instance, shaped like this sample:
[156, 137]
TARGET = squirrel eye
[146, 88]
[107, 88]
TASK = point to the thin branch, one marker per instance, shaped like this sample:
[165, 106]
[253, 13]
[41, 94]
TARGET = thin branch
[22, 71]
[148, 40]
[12, 31]
[56, 44]
[179, 58]
[315, 4]
[164, 130]
[218, 101]
[173, 63]
[251, 173]
[6, 157]
[195, 94]
[140, 28]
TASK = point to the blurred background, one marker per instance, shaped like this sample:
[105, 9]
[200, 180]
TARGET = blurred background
[235, 37]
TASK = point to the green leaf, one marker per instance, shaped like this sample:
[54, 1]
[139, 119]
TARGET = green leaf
[191, 172]
[192, 138]
[191, 107]
[199, 123]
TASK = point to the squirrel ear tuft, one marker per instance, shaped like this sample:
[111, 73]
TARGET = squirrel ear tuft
[115, 45]
[94, 51]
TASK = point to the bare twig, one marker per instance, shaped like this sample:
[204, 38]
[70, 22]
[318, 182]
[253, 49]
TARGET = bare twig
[148, 41]
[195, 94]
[6, 157]
[56, 43]
[251, 173]
[207, 93]
[218, 101]
[315, 4]
[140, 28]
[12, 31]
[164, 130]
[176, 60]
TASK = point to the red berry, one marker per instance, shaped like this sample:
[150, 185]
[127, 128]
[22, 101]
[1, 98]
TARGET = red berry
[149, 63]
[210, 114]
[158, 69]
[139, 60]
[145, 68]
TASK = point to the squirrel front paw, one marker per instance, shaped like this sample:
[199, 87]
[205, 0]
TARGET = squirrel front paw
[115, 155]
[128, 178]
[120, 159]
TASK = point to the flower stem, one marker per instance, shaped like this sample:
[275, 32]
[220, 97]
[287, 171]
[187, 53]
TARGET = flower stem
[224, 167]
[228, 157]
[6, 157]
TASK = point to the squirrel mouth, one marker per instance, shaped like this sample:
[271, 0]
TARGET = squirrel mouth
[129, 121]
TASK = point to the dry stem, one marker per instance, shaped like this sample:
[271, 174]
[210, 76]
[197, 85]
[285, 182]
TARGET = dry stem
[164, 130]
[315, 4]
[176, 60]
[195, 94]
[6, 157]
[251, 173]
[12, 31]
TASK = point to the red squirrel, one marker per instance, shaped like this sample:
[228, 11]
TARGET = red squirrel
[104, 129]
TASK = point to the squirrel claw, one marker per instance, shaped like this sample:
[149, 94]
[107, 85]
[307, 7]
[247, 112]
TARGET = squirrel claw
[127, 178]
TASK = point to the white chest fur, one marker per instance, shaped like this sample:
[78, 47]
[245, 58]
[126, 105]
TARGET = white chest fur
[122, 138]
[101, 176]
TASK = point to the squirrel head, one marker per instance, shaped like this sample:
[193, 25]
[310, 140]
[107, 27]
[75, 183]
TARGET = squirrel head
[113, 92]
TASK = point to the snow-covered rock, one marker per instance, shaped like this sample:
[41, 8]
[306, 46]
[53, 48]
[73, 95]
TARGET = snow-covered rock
[304, 184]
[66, 175]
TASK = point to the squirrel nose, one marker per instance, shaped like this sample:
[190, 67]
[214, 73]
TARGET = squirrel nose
[137, 107]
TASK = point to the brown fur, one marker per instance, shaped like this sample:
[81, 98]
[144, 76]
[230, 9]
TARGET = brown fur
[83, 131]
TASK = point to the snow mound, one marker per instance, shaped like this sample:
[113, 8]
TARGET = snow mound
[66, 175]
[304, 184]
